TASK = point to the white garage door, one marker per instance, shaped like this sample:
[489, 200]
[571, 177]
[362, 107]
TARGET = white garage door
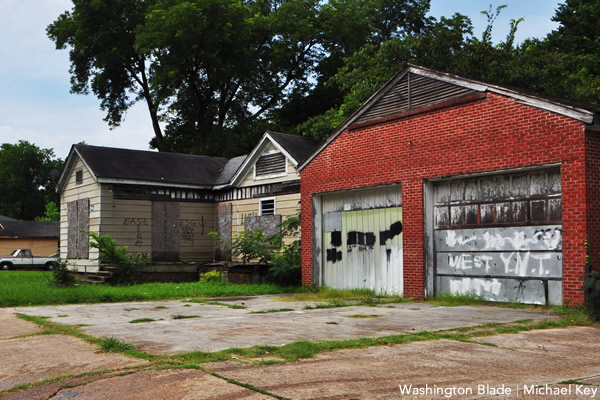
[362, 240]
[500, 237]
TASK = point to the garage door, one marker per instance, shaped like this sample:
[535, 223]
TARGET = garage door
[362, 240]
[500, 237]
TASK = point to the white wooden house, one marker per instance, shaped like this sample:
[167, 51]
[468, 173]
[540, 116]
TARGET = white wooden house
[165, 204]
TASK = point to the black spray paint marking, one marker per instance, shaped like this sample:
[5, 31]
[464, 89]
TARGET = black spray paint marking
[333, 255]
[336, 238]
[361, 238]
[388, 254]
[395, 229]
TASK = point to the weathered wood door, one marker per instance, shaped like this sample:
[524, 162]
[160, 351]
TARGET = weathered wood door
[500, 237]
[165, 231]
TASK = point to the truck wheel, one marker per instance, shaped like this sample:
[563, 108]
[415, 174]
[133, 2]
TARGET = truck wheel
[5, 266]
[50, 266]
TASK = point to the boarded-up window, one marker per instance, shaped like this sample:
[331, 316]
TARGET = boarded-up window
[79, 177]
[78, 217]
[270, 164]
[165, 231]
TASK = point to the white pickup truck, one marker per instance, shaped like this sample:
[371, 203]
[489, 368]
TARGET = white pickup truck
[22, 258]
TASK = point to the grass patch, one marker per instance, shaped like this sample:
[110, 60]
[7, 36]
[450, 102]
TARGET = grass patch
[160, 308]
[141, 320]
[130, 309]
[331, 323]
[275, 310]
[217, 303]
[187, 305]
[53, 328]
[454, 300]
[332, 296]
[363, 316]
[574, 382]
[180, 316]
[114, 345]
[27, 288]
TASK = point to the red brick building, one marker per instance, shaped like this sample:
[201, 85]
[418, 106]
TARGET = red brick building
[440, 183]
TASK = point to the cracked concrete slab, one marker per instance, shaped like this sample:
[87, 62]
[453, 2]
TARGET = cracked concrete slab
[36, 358]
[166, 384]
[217, 327]
[11, 325]
[378, 372]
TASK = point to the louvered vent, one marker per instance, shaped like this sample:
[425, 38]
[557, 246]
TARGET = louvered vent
[270, 164]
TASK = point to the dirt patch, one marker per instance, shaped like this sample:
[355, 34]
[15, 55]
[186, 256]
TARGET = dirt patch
[377, 372]
[11, 325]
[36, 358]
[166, 384]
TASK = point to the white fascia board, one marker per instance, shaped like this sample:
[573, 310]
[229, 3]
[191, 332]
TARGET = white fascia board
[253, 156]
[361, 110]
[152, 183]
[69, 168]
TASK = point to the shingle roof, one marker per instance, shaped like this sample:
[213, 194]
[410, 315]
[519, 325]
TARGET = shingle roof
[297, 146]
[229, 170]
[30, 229]
[108, 162]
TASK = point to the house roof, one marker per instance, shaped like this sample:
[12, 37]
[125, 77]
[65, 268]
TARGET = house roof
[297, 146]
[416, 87]
[4, 218]
[123, 165]
[114, 165]
[30, 229]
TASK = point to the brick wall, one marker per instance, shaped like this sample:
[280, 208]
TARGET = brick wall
[482, 135]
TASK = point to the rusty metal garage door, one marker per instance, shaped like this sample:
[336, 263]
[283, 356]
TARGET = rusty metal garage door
[362, 240]
[500, 237]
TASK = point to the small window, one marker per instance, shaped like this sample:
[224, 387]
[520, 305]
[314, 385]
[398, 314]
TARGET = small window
[79, 177]
[267, 207]
[270, 164]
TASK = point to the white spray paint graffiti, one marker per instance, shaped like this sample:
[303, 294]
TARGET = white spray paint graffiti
[486, 261]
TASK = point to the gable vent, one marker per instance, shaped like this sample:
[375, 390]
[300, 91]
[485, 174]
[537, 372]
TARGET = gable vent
[270, 164]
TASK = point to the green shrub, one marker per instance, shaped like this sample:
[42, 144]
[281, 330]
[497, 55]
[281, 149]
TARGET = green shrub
[591, 286]
[286, 266]
[212, 277]
[126, 266]
[251, 245]
[62, 276]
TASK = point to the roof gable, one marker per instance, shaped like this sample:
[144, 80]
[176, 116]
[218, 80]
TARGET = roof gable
[417, 87]
[411, 91]
[294, 148]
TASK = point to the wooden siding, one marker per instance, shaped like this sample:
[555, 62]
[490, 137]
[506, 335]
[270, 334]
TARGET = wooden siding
[130, 223]
[88, 189]
[285, 205]
[196, 220]
[250, 181]
[39, 247]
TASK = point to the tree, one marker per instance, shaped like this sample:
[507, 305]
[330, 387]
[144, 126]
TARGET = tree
[26, 183]
[214, 72]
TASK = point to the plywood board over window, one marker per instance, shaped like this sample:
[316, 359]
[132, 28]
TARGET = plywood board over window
[78, 214]
[165, 231]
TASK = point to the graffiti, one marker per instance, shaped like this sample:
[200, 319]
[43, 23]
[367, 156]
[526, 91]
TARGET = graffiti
[548, 238]
[516, 263]
[334, 255]
[395, 229]
[139, 237]
[244, 216]
[336, 238]
[361, 239]
[135, 221]
[187, 228]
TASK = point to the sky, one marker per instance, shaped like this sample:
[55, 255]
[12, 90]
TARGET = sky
[36, 105]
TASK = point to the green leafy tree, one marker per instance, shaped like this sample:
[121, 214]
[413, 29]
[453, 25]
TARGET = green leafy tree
[215, 73]
[52, 213]
[26, 183]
